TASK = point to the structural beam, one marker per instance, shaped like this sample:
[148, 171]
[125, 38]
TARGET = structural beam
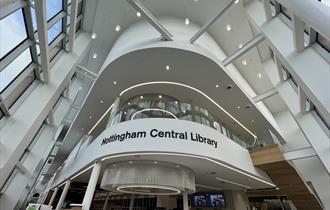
[252, 43]
[265, 95]
[40, 9]
[267, 8]
[298, 33]
[14, 54]
[166, 35]
[211, 21]
[73, 21]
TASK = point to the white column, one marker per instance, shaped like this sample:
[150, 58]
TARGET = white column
[91, 186]
[185, 201]
[53, 197]
[298, 33]
[113, 112]
[63, 195]
[131, 203]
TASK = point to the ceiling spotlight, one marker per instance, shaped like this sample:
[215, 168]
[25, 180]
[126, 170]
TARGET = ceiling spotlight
[248, 106]
[160, 96]
[125, 113]
[217, 86]
[129, 103]
[101, 101]
[238, 107]
[117, 28]
[176, 102]
[167, 67]
[82, 129]
[252, 121]
[244, 62]
[259, 75]
[141, 97]
[95, 55]
[240, 45]
[138, 14]
[177, 166]
[187, 21]
[228, 27]
[94, 35]
[155, 162]
[130, 162]
[277, 188]
[114, 82]
[90, 117]
[236, 1]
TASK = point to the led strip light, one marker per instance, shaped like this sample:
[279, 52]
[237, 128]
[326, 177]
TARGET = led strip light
[153, 109]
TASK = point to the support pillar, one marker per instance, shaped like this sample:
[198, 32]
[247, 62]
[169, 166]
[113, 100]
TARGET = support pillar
[185, 201]
[53, 197]
[131, 203]
[91, 186]
[63, 195]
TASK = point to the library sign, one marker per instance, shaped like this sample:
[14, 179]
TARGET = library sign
[157, 134]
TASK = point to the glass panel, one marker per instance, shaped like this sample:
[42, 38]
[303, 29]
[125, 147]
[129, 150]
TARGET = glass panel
[54, 31]
[79, 9]
[9, 73]
[1, 114]
[19, 90]
[52, 8]
[12, 32]
[55, 51]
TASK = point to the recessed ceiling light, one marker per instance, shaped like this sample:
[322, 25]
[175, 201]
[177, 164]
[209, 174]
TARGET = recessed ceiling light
[82, 129]
[125, 113]
[160, 96]
[95, 55]
[114, 82]
[90, 117]
[138, 14]
[177, 166]
[187, 21]
[114, 165]
[94, 35]
[244, 62]
[248, 106]
[167, 67]
[141, 97]
[236, 1]
[259, 75]
[130, 162]
[184, 111]
[240, 45]
[117, 28]
[252, 121]
[229, 87]
[101, 101]
[217, 86]
[277, 188]
[155, 162]
[228, 27]
[176, 102]
[129, 103]
[238, 107]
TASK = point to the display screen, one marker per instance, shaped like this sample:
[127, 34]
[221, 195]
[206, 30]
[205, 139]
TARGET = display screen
[208, 200]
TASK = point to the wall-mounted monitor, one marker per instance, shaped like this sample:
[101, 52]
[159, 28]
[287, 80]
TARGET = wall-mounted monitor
[208, 200]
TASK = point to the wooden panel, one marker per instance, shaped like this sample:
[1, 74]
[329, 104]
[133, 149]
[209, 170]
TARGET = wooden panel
[266, 155]
[285, 176]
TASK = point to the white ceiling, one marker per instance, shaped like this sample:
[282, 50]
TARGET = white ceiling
[102, 16]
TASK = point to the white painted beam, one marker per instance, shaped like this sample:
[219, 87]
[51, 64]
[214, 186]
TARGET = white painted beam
[252, 43]
[73, 21]
[166, 35]
[40, 9]
[267, 8]
[211, 21]
[298, 33]
[265, 95]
